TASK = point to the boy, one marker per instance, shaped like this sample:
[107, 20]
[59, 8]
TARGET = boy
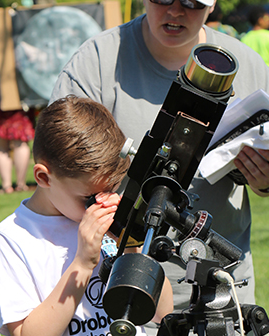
[50, 247]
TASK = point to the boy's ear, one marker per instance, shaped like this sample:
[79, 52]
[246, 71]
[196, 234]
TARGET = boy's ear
[42, 175]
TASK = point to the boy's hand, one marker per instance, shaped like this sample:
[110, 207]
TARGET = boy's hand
[95, 223]
[107, 199]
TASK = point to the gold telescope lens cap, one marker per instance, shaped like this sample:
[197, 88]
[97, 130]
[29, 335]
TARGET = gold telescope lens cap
[211, 68]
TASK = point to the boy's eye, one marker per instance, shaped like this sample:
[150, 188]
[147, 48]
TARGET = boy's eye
[90, 200]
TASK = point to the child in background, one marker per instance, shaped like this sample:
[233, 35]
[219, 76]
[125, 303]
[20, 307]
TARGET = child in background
[16, 131]
[258, 37]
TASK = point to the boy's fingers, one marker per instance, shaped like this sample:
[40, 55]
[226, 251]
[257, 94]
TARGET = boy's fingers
[100, 197]
[97, 214]
[108, 199]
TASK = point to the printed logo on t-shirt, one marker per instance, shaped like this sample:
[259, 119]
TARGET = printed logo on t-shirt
[94, 292]
[98, 323]
[91, 326]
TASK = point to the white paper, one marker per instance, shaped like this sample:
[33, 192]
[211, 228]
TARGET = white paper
[219, 162]
[240, 111]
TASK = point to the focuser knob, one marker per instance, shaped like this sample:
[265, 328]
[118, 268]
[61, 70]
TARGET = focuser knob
[128, 149]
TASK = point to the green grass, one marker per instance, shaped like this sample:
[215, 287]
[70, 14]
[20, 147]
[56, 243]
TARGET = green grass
[9, 202]
[259, 235]
[260, 248]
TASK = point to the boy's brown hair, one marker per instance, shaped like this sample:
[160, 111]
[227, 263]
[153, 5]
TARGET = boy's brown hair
[77, 135]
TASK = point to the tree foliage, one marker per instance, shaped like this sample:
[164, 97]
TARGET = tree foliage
[228, 6]
[6, 3]
[231, 5]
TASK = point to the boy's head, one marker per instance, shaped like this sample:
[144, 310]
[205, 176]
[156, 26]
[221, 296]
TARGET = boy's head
[77, 135]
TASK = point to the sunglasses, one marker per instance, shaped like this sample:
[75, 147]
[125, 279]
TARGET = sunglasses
[190, 4]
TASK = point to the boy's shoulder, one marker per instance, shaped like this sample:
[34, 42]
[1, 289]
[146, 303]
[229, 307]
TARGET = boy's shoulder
[14, 227]
[24, 224]
[34, 238]
[7, 224]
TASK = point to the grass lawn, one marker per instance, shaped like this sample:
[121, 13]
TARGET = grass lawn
[260, 247]
[9, 202]
[259, 236]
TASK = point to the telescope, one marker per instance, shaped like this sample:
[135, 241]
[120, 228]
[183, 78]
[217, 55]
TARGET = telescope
[157, 198]
[182, 129]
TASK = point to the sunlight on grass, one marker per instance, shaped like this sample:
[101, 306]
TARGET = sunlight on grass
[260, 247]
[9, 202]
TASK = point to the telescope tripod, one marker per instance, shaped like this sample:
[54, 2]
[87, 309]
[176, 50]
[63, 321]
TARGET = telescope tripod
[212, 310]
[219, 323]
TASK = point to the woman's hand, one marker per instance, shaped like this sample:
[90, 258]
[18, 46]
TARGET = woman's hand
[254, 166]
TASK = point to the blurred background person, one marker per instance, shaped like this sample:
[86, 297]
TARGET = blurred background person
[258, 37]
[16, 130]
[214, 21]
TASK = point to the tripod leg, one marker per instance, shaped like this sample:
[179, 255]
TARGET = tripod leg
[220, 327]
[256, 320]
[174, 325]
[200, 328]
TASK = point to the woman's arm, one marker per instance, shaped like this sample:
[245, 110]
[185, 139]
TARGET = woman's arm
[165, 304]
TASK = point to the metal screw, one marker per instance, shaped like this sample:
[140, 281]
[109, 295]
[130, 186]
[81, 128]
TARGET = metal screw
[259, 315]
[194, 252]
[186, 131]
[242, 283]
[180, 280]
[122, 329]
[172, 168]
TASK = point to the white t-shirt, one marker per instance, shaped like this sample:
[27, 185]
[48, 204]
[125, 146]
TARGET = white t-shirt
[35, 251]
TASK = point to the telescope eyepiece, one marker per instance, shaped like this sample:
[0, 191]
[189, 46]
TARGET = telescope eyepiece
[210, 68]
[215, 60]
